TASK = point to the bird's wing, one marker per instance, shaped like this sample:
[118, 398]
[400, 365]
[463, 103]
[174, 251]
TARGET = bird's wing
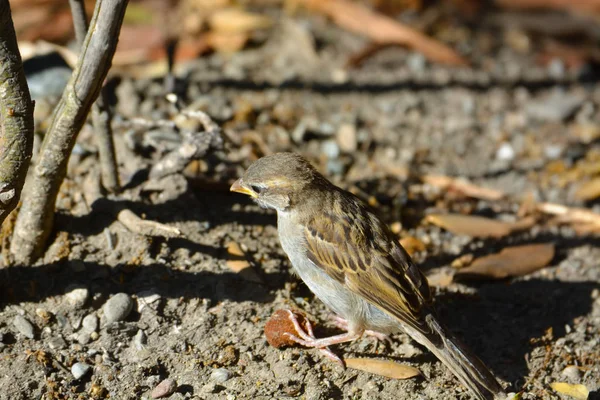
[352, 246]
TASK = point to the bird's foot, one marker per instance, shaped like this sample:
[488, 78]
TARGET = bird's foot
[306, 337]
[343, 325]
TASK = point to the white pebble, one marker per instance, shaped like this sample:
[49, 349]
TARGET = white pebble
[505, 152]
[220, 375]
[76, 295]
[79, 370]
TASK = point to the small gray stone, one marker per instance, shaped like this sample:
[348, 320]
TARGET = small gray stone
[90, 323]
[220, 375]
[57, 343]
[80, 369]
[76, 295]
[140, 339]
[558, 107]
[24, 327]
[330, 148]
[117, 308]
[572, 372]
[164, 389]
[83, 338]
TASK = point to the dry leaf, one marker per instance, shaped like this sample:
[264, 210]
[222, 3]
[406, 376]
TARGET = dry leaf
[235, 20]
[240, 265]
[226, 42]
[471, 225]
[234, 249]
[385, 368]
[511, 261]
[440, 279]
[382, 29]
[579, 392]
[412, 245]
[589, 190]
[580, 215]
[462, 186]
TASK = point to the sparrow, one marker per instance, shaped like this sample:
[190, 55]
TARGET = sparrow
[353, 263]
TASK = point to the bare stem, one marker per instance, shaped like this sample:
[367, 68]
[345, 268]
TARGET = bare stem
[16, 116]
[79, 19]
[35, 219]
[101, 117]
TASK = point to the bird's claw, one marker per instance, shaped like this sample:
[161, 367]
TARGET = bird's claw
[308, 339]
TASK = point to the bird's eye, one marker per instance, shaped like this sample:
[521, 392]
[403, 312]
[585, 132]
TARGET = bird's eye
[257, 189]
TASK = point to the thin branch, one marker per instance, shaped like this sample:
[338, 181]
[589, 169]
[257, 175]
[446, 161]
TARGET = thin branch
[79, 19]
[16, 116]
[101, 117]
[35, 219]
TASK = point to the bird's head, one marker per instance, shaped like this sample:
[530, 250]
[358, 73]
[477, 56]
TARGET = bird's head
[276, 181]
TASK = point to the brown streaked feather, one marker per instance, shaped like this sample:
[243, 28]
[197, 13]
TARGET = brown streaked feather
[384, 275]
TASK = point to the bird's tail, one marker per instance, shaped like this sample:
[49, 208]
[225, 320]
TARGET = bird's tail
[469, 369]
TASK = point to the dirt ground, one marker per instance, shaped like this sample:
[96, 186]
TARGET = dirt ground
[504, 123]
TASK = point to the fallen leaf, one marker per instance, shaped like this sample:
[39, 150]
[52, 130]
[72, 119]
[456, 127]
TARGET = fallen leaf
[235, 20]
[462, 261]
[382, 29]
[226, 42]
[589, 190]
[240, 265]
[463, 186]
[412, 245]
[511, 261]
[234, 249]
[579, 392]
[385, 368]
[471, 225]
[440, 279]
[570, 214]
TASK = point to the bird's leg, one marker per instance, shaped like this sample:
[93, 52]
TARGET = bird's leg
[307, 338]
[343, 324]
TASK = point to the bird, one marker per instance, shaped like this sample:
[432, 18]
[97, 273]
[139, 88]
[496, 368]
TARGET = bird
[353, 263]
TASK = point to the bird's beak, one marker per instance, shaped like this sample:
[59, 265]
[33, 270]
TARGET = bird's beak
[238, 187]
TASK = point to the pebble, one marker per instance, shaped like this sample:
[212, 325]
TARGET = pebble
[83, 338]
[79, 369]
[505, 152]
[558, 107]
[117, 308]
[572, 372]
[76, 295]
[90, 323]
[346, 138]
[24, 326]
[57, 343]
[47, 75]
[330, 148]
[220, 375]
[140, 340]
[164, 389]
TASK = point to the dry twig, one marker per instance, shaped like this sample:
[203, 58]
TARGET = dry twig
[195, 144]
[101, 117]
[147, 228]
[16, 117]
[35, 219]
